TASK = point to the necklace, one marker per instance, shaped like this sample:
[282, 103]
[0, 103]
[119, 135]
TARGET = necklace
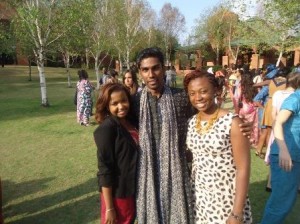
[209, 124]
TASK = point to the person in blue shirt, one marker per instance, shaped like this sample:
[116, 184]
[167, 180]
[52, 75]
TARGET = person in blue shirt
[285, 159]
[260, 100]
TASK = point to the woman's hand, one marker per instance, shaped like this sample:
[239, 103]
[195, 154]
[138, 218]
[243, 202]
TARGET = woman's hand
[111, 217]
[232, 220]
[285, 161]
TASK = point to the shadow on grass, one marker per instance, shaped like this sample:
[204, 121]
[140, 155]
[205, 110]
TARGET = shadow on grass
[79, 204]
[14, 191]
[21, 99]
[258, 198]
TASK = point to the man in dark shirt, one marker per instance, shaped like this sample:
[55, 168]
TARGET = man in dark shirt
[163, 193]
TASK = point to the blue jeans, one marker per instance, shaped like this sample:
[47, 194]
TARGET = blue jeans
[284, 192]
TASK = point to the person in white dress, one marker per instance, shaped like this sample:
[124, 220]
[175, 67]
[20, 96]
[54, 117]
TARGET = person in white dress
[221, 156]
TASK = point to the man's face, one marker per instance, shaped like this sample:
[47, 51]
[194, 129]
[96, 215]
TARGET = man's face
[152, 72]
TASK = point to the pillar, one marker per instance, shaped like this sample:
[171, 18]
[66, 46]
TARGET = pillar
[254, 61]
[297, 57]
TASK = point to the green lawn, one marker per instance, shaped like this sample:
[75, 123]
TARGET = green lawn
[48, 162]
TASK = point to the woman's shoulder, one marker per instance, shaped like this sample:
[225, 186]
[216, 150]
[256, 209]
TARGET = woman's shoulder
[226, 115]
[224, 112]
[192, 118]
[107, 126]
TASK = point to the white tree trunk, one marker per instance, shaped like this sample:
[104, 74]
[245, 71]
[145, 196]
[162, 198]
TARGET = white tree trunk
[236, 55]
[279, 58]
[68, 70]
[41, 68]
[87, 58]
[66, 58]
[167, 55]
[97, 70]
[127, 59]
[218, 55]
[29, 68]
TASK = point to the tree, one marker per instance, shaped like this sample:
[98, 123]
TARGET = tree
[276, 24]
[171, 23]
[72, 43]
[149, 25]
[41, 20]
[25, 45]
[216, 27]
[7, 37]
[283, 17]
[126, 28]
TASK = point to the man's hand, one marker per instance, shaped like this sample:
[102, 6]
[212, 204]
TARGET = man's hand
[246, 128]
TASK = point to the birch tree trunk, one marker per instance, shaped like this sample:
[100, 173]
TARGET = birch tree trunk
[66, 57]
[236, 56]
[97, 70]
[41, 69]
[127, 59]
[218, 55]
[279, 58]
[29, 68]
[87, 58]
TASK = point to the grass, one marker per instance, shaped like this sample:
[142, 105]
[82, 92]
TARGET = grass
[48, 162]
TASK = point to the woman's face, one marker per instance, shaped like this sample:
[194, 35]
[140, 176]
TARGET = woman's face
[119, 104]
[202, 94]
[128, 80]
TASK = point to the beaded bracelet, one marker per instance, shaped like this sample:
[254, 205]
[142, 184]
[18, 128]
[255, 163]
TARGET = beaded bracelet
[237, 217]
[110, 209]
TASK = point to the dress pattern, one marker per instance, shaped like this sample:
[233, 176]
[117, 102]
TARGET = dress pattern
[84, 101]
[213, 172]
[250, 113]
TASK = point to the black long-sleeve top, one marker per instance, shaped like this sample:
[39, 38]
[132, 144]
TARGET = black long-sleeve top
[117, 156]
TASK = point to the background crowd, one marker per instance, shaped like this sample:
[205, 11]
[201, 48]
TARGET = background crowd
[143, 163]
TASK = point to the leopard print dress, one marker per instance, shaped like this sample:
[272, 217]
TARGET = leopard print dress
[213, 172]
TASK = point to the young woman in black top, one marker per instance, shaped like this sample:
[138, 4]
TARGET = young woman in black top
[117, 143]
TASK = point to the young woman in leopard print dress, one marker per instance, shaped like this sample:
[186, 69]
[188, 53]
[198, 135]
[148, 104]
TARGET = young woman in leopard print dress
[221, 156]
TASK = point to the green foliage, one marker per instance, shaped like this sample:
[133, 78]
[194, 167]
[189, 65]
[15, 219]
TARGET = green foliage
[275, 25]
[7, 39]
[217, 27]
[171, 24]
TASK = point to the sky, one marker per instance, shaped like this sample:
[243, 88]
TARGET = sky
[191, 9]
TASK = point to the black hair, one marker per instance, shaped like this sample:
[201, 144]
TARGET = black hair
[113, 73]
[82, 74]
[293, 80]
[248, 91]
[152, 52]
[202, 74]
[283, 72]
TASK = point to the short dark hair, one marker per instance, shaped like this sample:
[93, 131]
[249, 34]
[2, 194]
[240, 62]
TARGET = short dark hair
[151, 52]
